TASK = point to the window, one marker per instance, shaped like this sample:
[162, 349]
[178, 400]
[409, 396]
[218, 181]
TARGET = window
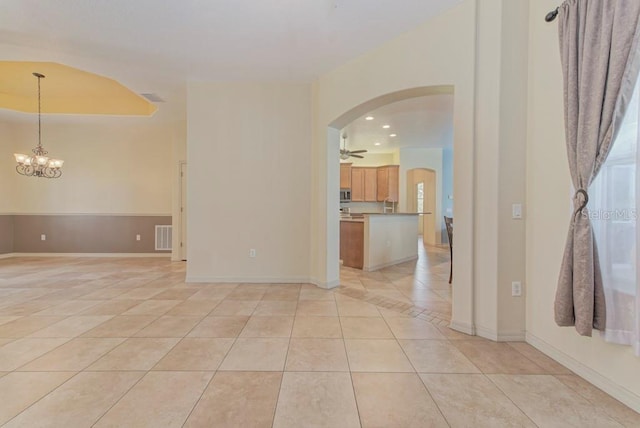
[613, 210]
[420, 197]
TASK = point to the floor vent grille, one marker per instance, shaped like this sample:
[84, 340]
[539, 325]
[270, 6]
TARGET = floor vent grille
[163, 237]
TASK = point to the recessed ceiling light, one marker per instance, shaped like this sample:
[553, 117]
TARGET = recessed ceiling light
[386, 126]
[392, 135]
[376, 144]
[369, 118]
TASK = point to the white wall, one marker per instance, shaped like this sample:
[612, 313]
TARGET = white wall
[612, 367]
[112, 166]
[411, 158]
[248, 150]
[389, 240]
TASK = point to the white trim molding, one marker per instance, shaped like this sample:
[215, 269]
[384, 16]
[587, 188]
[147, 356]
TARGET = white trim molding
[248, 280]
[115, 255]
[616, 391]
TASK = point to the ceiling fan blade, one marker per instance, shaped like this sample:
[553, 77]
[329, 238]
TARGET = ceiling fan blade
[358, 151]
[356, 156]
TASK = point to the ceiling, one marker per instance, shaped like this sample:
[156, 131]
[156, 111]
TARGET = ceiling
[155, 46]
[425, 122]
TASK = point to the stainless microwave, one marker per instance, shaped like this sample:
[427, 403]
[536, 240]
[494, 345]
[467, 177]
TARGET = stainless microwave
[345, 195]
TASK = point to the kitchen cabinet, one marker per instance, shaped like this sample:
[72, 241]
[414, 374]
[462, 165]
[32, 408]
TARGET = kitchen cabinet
[364, 184]
[352, 244]
[345, 176]
[387, 182]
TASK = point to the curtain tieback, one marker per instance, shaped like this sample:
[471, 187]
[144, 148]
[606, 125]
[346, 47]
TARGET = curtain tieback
[581, 197]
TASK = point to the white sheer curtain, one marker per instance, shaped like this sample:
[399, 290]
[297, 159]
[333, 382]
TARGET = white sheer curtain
[614, 211]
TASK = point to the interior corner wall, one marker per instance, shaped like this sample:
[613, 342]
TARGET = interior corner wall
[613, 368]
[249, 157]
[439, 52]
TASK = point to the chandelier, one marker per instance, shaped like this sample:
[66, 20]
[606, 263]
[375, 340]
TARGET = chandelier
[38, 164]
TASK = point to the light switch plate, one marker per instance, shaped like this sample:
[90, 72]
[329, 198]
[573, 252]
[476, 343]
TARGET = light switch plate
[516, 289]
[516, 211]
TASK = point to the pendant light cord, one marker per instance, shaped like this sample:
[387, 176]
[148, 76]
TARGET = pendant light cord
[39, 115]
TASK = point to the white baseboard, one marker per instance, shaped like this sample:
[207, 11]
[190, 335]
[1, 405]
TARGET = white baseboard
[463, 327]
[6, 256]
[502, 336]
[384, 265]
[117, 255]
[487, 333]
[248, 280]
[326, 285]
[616, 391]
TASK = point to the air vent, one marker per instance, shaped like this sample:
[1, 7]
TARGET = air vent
[154, 98]
[163, 237]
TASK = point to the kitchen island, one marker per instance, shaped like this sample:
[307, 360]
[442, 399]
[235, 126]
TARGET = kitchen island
[373, 241]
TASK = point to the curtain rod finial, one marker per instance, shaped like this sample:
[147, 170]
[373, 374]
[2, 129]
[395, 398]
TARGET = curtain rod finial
[551, 16]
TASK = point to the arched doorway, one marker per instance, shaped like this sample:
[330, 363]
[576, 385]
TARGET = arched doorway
[421, 198]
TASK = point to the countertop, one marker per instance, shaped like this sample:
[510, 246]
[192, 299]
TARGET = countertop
[359, 217]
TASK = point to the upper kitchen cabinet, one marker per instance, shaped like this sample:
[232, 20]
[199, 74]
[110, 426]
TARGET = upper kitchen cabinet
[387, 181]
[364, 183]
[345, 176]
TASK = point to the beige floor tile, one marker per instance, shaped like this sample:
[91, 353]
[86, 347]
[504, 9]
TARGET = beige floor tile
[549, 365]
[4, 320]
[235, 308]
[28, 308]
[111, 307]
[317, 327]
[348, 307]
[376, 355]
[142, 293]
[21, 351]
[602, 400]
[107, 293]
[71, 307]
[218, 292]
[72, 326]
[121, 326]
[322, 308]
[24, 326]
[247, 293]
[314, 293]
[219, 327]
[196, 354]
[153, 307]
[279, 294]
[452, 334]
[169, 326]
[5, 341]
[268, 327]
[159, 399]
[412, 328]
[309, 355]
[318, 399]
[194, 307]
[25, 389]
[74, 355]
[237, 399]
[276, 308]
[494, 357]
[176, 294]
[79, 402]
[135, 354]
[266, 354]
[437, 356]
[365, 328]
[395, 400]
[548, 402]
[472, 400]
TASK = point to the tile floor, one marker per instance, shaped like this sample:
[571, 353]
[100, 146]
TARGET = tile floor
[126, 342]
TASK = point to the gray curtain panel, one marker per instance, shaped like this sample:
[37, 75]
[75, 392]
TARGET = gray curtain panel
[598, 46]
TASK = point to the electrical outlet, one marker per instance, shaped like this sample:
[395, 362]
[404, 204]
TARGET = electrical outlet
[252, 252]
[516, 211]
[43, 237]
[137, 237]
[516, 289]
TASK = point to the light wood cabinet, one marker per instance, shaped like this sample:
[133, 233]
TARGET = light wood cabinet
[370, 184]
[357, 184]
[388, 180]
[345, 176]
[364, 183]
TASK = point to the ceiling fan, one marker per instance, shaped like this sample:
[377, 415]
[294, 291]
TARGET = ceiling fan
[346, 154]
